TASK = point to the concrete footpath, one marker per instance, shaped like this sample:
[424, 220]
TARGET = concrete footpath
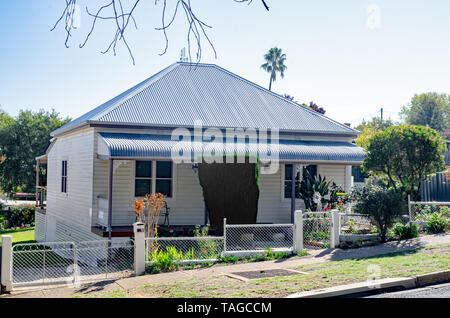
[315, 256]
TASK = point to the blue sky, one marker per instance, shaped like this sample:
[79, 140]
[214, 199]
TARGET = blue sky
[334, 57]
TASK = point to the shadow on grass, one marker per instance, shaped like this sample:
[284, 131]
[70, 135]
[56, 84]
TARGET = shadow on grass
[385, 249]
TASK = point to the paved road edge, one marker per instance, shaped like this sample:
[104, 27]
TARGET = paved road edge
[378, 285]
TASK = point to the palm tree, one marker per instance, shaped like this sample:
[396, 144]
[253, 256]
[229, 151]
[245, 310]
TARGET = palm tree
[275, 60]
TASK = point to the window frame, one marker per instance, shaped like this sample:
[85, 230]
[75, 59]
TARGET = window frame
[142, 178]
[153, 179]
[283, 178]
[64, 176]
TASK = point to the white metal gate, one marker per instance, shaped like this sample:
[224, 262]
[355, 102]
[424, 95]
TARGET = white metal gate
[316, 230]
[69, 262]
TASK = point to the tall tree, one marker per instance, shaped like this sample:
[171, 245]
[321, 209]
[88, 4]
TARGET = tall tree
[428, 109]
[369, 128]
[27, 137]
[275, 60]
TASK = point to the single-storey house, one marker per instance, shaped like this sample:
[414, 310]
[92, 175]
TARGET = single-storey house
[99, 163]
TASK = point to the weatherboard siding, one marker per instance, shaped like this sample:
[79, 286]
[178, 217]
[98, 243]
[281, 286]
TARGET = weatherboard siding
[70, 216]
[70, 211]
[334, 172]
[187, 207]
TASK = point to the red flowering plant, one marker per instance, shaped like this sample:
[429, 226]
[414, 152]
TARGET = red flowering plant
[338, 198]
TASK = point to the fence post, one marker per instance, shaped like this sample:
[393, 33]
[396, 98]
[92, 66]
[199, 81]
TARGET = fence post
[224, 236]
[409, 208]
[6, 263]
[335, 228]
[298, 231]
[139, 248]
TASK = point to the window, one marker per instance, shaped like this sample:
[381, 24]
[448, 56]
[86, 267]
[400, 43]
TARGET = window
[358, 175]
[287, 182]
[164, 178]
[151, 175]
[64, 176]
[312, 169]
[143, 181]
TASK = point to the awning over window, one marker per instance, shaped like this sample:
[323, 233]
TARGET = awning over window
[140, 146]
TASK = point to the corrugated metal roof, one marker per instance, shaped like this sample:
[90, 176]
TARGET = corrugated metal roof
[183, 93]
[160, 146]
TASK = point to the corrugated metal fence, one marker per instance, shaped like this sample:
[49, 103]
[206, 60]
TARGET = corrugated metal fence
[436, 189]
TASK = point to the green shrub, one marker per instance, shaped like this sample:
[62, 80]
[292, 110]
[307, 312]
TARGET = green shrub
[383, 206]
[303, 253]
[404, 232]
[20, 215]
[230, 259]
[309, 186]
[423, 212]
[210, 249]
[168, 260]
[437, 222]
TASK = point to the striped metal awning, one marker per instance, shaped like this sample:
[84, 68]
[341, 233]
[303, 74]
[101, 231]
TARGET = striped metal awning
[141, 146]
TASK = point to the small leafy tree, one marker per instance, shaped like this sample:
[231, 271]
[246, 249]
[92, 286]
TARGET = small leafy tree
[405, 155]
[383, 206]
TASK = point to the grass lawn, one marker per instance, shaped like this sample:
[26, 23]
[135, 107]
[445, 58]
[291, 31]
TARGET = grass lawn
[320, 275]
[21, 236]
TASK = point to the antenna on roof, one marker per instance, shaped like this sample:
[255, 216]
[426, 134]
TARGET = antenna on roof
[183, 57]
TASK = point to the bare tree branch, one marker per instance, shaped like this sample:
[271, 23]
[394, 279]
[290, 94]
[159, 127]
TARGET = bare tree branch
[113, 10]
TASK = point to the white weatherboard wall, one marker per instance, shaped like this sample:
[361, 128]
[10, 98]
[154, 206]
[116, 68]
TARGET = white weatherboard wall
[334, 172]
[39, 227]
[187, 207]
[68, 216]
[273, 207]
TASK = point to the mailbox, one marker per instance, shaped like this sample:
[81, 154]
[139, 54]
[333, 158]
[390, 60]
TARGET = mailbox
[139, 227]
